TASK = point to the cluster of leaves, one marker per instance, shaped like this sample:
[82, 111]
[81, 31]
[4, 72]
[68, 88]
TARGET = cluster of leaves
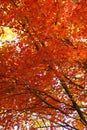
[43, 72]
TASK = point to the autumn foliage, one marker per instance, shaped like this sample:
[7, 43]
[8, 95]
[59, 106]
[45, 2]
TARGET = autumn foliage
[43, 71]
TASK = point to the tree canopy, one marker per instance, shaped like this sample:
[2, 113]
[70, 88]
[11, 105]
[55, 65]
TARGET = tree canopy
[43, 64]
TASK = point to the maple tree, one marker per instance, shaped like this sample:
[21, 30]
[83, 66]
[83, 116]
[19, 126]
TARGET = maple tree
[43, 71]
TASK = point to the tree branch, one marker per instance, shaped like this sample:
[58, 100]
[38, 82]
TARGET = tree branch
[82, 118]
